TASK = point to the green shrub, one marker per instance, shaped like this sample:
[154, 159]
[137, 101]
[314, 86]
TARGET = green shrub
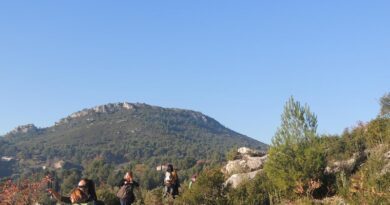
[296, 160]
[208, 189]
[371, 184]
[107, 195]
[378, 132]
[252, 192]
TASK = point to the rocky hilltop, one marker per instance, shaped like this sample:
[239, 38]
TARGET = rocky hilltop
[127, 132]
[24, 129]
[107, 108]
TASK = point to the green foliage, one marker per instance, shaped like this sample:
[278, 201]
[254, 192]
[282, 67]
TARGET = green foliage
[295, 158]
[98, 170]
[232, 153]
[107, 195]
[140, 139]
[371, 184]
[362, 136]
[69, 182]
[385, 104]
[114, 177]
[145, 134]
[253, 192]
[378, 132]
[208, 189]
[151, 179]
[154, 196]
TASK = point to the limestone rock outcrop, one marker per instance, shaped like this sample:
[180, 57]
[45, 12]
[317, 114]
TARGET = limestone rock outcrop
[347, 165]
[247, 164]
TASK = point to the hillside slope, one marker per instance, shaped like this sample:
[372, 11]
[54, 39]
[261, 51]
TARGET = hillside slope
[124, 132]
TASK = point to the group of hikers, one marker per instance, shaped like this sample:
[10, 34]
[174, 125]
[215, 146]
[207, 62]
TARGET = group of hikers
[85, 192]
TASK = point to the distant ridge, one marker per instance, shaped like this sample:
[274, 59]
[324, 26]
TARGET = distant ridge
[123, 132]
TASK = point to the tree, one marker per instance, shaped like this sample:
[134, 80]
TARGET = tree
[377, 132]
[296, 160]
[385, 104]
[232, 154]
[107, 195]
[98, 170]
[208, 189]
[70, 182]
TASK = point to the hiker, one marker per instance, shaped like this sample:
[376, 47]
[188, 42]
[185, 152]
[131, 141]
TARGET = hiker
[171, 182]
[126, 189]
[176, 183]
[83, 193]
[76, 197]
[193, 180]
[88, 187]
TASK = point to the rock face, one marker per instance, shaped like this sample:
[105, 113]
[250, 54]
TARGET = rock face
[347, 165]
[107, 108]
[237, 179]
[245, 151]
[247, 160]
[24, 129]
[248, 163]
[358, 159]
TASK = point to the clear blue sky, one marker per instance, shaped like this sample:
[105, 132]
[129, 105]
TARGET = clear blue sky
[236, 61]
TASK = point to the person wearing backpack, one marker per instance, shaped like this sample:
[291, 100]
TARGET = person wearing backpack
[88, 187]
[84, 193]
[171, 182]
[76, 196]
[126, 189]
[175, 183]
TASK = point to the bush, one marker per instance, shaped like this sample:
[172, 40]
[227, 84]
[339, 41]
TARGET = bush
[252, 192]
[371, 184]
[296, 160]
[208, 190]
[378, 132]
[232, 154]
[153, 196]
[107, 196]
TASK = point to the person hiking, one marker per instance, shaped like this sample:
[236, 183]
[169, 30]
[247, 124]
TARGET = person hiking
[193, 180]
[76, 197]
[176, 183]
[88, 187]
[171, 182]
[83, 193]
[126, 189]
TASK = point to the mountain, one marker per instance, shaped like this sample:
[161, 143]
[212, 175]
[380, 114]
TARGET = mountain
[125, 132]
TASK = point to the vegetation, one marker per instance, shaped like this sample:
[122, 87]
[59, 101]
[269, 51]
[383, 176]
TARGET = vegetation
[295, 159]
[296, 172]
[114, 137]
[385, 104]
[208, 189]
[257, 191]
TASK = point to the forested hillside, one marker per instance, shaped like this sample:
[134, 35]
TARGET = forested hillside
[124, 133]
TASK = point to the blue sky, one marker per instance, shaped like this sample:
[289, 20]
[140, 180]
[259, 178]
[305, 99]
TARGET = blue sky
[236, 61]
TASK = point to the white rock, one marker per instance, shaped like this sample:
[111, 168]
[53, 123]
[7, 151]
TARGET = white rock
[255, 163]
[236, 179]
[245, 151]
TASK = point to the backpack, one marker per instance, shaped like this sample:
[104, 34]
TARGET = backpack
[126, 192]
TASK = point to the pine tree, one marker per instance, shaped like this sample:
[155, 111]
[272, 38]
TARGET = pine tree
[385, 105]
[295, 161]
